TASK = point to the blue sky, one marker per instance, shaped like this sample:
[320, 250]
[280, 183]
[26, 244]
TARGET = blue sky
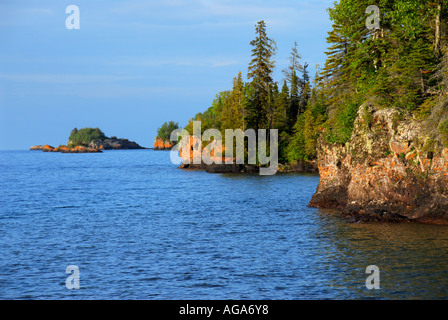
[135, 64]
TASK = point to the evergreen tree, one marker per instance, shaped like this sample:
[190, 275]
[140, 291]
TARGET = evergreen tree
[232, 115]
[282, 102]
[260, 73]
[164, 132]
[305, 89]
[294, 102]
[294, 66]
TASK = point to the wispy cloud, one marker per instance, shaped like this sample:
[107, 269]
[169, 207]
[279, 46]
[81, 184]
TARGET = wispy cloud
[182, 61]
[13, 15]
[64, 78]
[206, 13]
[40, 11]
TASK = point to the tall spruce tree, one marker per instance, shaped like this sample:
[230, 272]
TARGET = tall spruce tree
[305, 89]
[232, 114]
[294, 102]
[282, 105]
[294, 64]
[260, 73]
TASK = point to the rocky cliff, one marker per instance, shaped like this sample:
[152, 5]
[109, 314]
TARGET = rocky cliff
[160, 144]
[388, 171]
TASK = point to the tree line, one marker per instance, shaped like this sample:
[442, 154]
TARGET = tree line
[403, 64]
[261, 102]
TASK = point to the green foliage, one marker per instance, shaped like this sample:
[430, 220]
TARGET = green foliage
[210, 119]
[443, 130]
[83, 137]
[339, 128]
[296, 147]
[367, 117]
[429, 146]
[164, 132]
[231, 114]
[303, 144]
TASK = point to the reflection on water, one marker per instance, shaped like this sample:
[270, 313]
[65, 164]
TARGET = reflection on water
[412, 257]
[139, 228]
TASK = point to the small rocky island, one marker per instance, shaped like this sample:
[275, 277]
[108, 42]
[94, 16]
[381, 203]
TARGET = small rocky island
[89, 140]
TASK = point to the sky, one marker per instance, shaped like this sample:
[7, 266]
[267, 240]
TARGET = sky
[133, 65]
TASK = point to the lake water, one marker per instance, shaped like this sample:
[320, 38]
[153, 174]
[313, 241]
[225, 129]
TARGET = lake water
[139, 228]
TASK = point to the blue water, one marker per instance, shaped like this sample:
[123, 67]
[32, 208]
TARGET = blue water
[139, 228]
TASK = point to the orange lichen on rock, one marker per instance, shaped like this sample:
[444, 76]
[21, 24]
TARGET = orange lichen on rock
[399, 147]
[47, 148]
[63, 148]
[195, 149]
[160, 144]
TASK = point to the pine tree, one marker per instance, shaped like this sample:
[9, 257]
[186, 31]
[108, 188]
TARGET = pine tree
[232, 114]
[282, 103]
[294, 102]
[335, 72]
[260, 73]
[294, 66]
[305, 89]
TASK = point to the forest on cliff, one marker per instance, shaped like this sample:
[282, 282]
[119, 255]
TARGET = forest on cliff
[400, 64]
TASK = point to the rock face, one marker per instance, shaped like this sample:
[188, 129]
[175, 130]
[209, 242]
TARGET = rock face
[384, 173]
[217, 152]
[160, 144]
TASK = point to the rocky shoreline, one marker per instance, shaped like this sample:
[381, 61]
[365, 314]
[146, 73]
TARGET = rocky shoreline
[96, 146]
[384, 173]
[64, 149]
[160, 144]
[248, 168]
